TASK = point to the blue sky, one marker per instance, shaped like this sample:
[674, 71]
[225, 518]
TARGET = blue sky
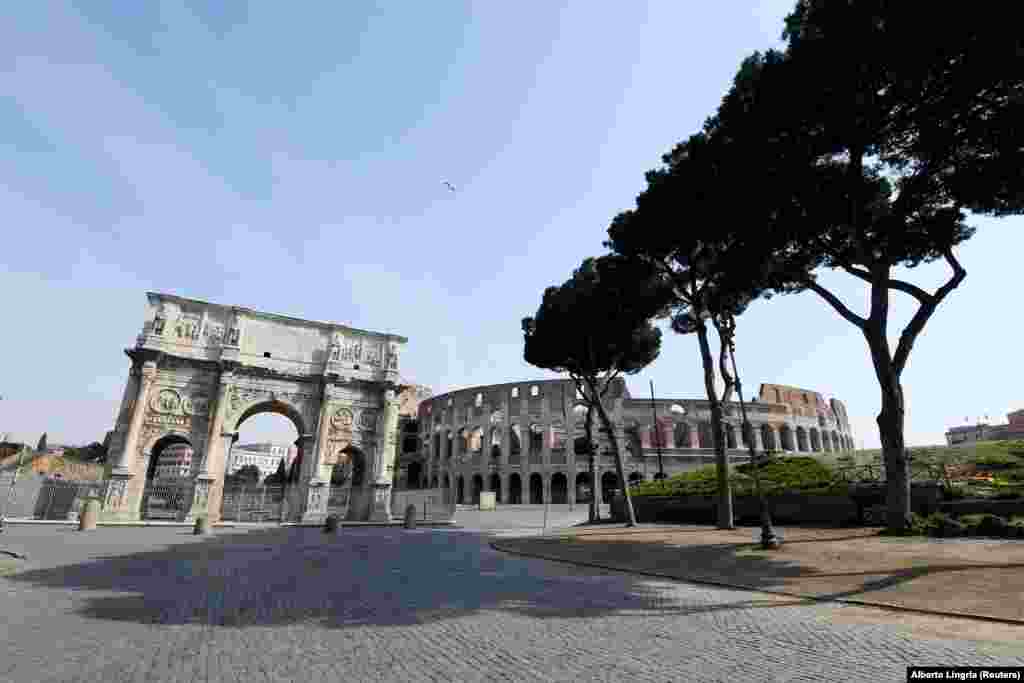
[291, 161]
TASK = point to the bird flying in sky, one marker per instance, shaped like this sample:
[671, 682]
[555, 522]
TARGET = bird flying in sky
[448, 185]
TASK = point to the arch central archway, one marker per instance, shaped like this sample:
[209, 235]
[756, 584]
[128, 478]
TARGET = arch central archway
[261, 469]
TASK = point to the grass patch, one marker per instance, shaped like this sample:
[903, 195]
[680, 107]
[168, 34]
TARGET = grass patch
[9, 566]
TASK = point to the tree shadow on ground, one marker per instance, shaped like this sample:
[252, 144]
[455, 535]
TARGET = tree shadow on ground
[728, 563]
[621, 530]
[380, 577]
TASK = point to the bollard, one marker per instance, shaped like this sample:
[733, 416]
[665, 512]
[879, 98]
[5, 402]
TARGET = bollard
[331, 524]
[202, 526]
[410, 517]
[90, 513]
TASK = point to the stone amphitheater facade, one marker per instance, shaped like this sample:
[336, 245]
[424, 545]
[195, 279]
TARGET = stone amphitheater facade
[517, 438]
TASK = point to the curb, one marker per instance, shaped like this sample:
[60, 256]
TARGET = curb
[71, 522]
[496, 545]
[219, 525]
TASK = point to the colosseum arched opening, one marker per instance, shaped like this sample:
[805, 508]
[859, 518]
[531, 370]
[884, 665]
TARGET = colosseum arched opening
[559, 489]
[515, 489]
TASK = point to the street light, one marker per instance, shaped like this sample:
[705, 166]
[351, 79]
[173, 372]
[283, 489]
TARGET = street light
[657, 435]
[768, 538]
[676, 409]
[10, 491]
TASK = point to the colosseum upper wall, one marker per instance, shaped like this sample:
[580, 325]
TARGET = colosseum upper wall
[516, 438]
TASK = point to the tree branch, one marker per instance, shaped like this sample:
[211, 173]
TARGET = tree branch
[899, 285]
[837, 304]
[924, 312]
[723, 356]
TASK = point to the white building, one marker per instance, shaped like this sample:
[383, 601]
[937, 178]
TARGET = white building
[265, 456]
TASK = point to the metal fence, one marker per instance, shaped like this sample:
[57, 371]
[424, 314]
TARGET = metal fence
[430, 504]
[36, 497]
[166, 499]
[257, 503]
[337, 501]
[277, 503]
[18, 495]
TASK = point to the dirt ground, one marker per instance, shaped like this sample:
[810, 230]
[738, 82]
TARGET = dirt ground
[968, 576]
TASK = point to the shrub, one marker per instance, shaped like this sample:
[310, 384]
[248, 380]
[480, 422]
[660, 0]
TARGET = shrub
[802, 473]
[984, 524]
[954, 492]
[994, 461]
[1015, 474]
[918, 527]
[1008, 493]
[942, 525]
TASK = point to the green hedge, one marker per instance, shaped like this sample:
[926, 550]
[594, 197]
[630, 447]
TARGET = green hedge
[942, 525]
[800, 473]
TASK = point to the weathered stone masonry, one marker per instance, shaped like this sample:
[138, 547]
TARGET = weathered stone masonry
[517, 439]
[199, 370]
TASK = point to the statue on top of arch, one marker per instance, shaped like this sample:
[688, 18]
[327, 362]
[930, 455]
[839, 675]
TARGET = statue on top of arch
[334, 349]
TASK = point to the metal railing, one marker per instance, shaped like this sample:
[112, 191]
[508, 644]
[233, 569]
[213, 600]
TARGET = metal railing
[338, 500]
[166, 499]
[60, 499]
[259, 503]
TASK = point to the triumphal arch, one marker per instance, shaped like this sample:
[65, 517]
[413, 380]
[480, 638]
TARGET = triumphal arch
[198, 370]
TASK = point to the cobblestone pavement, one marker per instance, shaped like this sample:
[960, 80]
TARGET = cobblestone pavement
[523, 520]
[425, 605]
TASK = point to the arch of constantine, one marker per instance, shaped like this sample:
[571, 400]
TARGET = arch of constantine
[199, 370]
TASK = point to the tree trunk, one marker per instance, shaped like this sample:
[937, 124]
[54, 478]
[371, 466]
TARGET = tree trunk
[588, 426]
[725, 514]
[609, 429]
[894, 454]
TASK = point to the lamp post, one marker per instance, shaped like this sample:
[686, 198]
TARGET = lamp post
[768, 538]
[679, 410]
[657, 435]
[10, 491]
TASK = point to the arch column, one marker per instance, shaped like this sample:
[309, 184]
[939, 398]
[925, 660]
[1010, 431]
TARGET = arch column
[123, 501]
[316, 473]
[385, 459]
[314, 490]
[208, 485]
[203, 484]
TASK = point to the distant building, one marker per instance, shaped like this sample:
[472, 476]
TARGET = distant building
[265, 456]
[174, 462]
[982, 431]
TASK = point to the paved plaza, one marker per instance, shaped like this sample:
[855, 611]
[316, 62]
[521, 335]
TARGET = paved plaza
[294, 604]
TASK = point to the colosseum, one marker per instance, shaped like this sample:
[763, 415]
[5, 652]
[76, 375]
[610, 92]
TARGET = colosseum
[516, 439]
